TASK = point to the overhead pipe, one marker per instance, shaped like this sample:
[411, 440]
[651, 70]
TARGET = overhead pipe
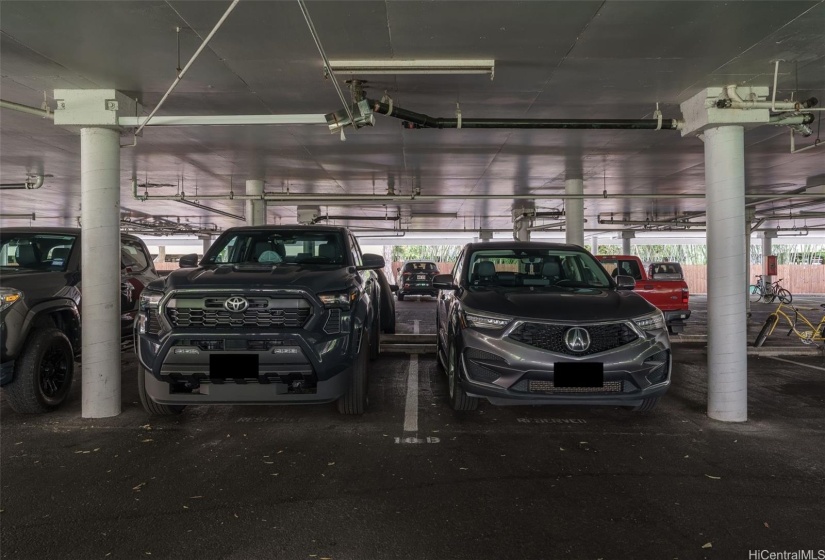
[412, 119]
[43, 113]
[188, 65]
[32, 182]
[734, 101]
[210, 209]
[357, 218]
[19, 216]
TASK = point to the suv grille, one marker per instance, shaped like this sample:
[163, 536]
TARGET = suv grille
[551, 337]
[262, 312]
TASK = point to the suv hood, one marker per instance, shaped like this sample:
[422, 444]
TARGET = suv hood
[580, 304]
[314, 279]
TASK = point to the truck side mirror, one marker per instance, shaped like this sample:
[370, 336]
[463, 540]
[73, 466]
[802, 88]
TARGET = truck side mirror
[444, 282]
[189, 261]
[624, 282]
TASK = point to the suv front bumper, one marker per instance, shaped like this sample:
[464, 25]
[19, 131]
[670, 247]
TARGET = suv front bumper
[515, 373]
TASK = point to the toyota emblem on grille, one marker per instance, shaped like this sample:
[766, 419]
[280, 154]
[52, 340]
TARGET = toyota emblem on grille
[236, 304]
[577, 339]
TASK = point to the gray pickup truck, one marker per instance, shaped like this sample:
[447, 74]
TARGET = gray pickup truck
[271, 314]
[40, 308]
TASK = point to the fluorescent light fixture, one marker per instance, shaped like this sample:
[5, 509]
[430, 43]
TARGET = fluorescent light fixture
[474, 66]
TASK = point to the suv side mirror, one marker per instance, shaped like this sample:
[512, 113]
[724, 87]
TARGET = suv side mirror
[189, 261]
[624, 282]
[371, 262]
[444, 282]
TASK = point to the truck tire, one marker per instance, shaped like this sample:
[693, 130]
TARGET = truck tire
[43, 373]
[355, 401]
[767, 328]
[150, 406]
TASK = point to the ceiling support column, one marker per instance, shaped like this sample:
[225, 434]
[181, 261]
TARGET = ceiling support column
[767, 248]
[595, 245]
[255, 209]
[727, 278]
[627, 248]
[100, 266]
[574, 212]
[96, 112]
[522, 221]
[207, 242]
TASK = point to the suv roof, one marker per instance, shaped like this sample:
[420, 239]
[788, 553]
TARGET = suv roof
[55, 230]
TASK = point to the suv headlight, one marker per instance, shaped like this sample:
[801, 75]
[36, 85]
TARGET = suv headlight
[479, 321]
[651, 322]
[8, 297]
[339, 300]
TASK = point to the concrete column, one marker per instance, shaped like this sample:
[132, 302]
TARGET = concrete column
[522, 220]
[255, 209]
[750, 214]
[161, 254]
[207, 242]
[100, 265]
[767, 248]
[574, 212]
[522, 233]
[595, 245]
[727, 282]
[627, 248]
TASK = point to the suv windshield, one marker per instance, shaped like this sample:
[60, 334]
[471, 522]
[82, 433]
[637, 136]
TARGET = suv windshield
[275, 247]
[528, 269]
[35, 251]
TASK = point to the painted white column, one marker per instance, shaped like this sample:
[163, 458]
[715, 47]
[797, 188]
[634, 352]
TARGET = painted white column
[100, 265]
[626, 246]
[522, 231]
[727, 277]
[207, 242]
[595, 245]
[255, 209]
[574, 212]
[767, 248]
[161, 254]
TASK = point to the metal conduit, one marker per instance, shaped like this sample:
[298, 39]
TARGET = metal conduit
[419, 120]
[26, 109]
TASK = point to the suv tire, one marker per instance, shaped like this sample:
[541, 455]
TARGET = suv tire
[151, 406]
[43, 374]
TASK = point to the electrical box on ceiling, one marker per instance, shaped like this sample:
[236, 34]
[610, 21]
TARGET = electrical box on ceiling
[308, 214]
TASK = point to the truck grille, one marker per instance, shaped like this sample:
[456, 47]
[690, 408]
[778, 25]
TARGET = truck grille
[200, 312]
[551, 337]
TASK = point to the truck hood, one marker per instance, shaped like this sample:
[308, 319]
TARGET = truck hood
[579, 304]
[37, 285]
[314, 279]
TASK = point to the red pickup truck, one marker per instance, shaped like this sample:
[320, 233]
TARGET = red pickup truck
[665, 287]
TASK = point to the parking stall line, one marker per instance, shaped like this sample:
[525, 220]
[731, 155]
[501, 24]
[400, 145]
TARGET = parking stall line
[795, 363]
[411, 410]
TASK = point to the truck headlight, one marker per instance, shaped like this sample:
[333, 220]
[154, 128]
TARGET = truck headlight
[339, 300]
[149, 300]
[651, 322]
[8, 297]
[478, 321]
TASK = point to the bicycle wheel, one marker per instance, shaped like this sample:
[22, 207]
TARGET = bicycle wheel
[784, 295]
[755, 293]
[767, 328]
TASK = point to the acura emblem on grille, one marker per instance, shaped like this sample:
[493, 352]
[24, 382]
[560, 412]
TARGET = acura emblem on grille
[236, 304]
[577, 339]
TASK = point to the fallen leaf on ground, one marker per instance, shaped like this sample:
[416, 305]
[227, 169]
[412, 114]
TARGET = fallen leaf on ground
[766, 525]
[707, 545]
[138, 486]
[330, 464]
[146, 440]
[195, 497]
[713, 477]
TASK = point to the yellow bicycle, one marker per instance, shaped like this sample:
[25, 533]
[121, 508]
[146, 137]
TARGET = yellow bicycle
[807, 332]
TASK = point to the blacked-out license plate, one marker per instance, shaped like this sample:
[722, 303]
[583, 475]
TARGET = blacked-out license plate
[578, 374]
[233, 366]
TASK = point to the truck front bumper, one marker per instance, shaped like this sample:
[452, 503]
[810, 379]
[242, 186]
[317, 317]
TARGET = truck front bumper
[293, 366]
[675, 320]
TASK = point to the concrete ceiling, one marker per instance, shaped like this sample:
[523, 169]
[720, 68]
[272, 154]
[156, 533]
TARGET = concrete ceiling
[582, 59]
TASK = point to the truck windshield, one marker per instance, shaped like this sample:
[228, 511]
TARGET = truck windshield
[528, 269]
[35, 251]
[270, 247]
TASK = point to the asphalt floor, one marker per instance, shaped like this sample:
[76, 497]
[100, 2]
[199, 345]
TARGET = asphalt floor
[411, 479]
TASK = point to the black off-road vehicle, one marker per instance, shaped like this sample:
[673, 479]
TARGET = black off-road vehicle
[271, 314]
[40, 310]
